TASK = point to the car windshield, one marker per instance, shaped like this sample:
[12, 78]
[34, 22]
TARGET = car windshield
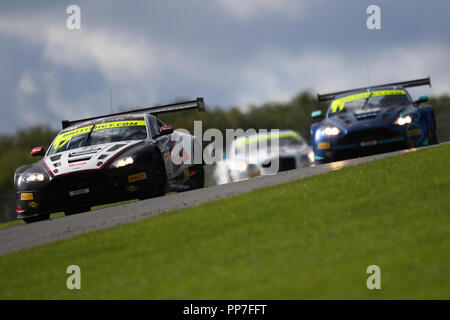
[369, 100]
[255, 143]
[101, 133]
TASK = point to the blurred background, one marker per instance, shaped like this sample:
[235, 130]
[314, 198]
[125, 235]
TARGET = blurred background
[257, 63]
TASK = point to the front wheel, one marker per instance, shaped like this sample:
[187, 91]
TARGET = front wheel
[432, 137]
[158, 180]
[197, 177]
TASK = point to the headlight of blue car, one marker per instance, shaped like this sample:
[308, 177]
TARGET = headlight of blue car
[331, 131]
[401, 121]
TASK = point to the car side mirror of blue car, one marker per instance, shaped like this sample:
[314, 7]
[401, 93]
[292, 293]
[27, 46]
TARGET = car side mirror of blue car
[422, 99]
[317, 114]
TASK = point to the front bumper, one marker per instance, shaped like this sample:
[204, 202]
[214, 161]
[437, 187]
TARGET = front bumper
[367, 142]
[81, 189]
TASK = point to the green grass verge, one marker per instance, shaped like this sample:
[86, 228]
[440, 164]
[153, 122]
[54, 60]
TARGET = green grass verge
[312, 238]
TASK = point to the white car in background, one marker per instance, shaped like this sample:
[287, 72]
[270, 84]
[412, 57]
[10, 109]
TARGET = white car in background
[264, 154]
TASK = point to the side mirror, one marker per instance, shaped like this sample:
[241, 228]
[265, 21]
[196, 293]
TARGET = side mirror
[38, 152]
[422, 99]
[317, 114]
[165, 130]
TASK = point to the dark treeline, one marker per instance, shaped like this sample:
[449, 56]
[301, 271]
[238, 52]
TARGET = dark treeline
[295, 114]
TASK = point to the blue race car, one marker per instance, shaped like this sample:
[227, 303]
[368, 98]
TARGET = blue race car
[366, 121]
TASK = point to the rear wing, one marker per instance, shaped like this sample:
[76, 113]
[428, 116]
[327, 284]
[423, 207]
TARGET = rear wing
[198, 104]
[404, 84]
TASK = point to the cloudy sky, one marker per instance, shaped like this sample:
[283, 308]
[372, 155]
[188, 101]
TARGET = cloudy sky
[231, 52]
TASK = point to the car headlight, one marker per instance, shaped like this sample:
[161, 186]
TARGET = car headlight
[241, 166]
[401, 121]
[311, 156]
[331, 131]
[34, 177]
[123, 162]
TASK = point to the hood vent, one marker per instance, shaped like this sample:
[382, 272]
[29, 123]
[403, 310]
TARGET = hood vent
[79, 159]
[85, 152]
[55, 158]
[114, 148]
[366, 116]
[103, 156]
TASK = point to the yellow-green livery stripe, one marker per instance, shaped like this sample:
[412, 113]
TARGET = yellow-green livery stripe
[338, 104]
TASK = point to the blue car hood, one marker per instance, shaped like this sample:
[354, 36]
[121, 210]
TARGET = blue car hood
[367, 118]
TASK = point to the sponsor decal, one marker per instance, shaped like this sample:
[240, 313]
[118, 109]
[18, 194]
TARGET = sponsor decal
[323, 145]
[368, 143]
[64, 137]
[26, 196]
[78, 164]
[33, 204]
[413, 133]
[132, 188]
[137, 177]
[338, 104]
[78, 192]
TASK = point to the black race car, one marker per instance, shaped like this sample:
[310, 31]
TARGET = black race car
[108, 159]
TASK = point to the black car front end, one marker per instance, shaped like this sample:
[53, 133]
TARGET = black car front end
[80, 189]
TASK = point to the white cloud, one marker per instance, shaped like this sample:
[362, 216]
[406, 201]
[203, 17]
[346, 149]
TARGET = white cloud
[129, 63]
[118, 56]
[243, 10]
[137, 67]
[26, 84]
[276, 75]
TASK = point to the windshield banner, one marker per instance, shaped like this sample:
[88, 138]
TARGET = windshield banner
[64, 137]
[338, 104]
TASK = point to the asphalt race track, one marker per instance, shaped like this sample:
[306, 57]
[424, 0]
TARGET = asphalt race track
[30, 235]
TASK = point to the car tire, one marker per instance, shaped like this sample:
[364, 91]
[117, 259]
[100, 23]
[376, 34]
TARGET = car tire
[432, 137]
[304, 162]
[432, 134]
[158, 174]
[197, 180]
[36, 218]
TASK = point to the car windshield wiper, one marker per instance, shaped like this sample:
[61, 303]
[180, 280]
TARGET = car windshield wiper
[367, 100]
[88, 136]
